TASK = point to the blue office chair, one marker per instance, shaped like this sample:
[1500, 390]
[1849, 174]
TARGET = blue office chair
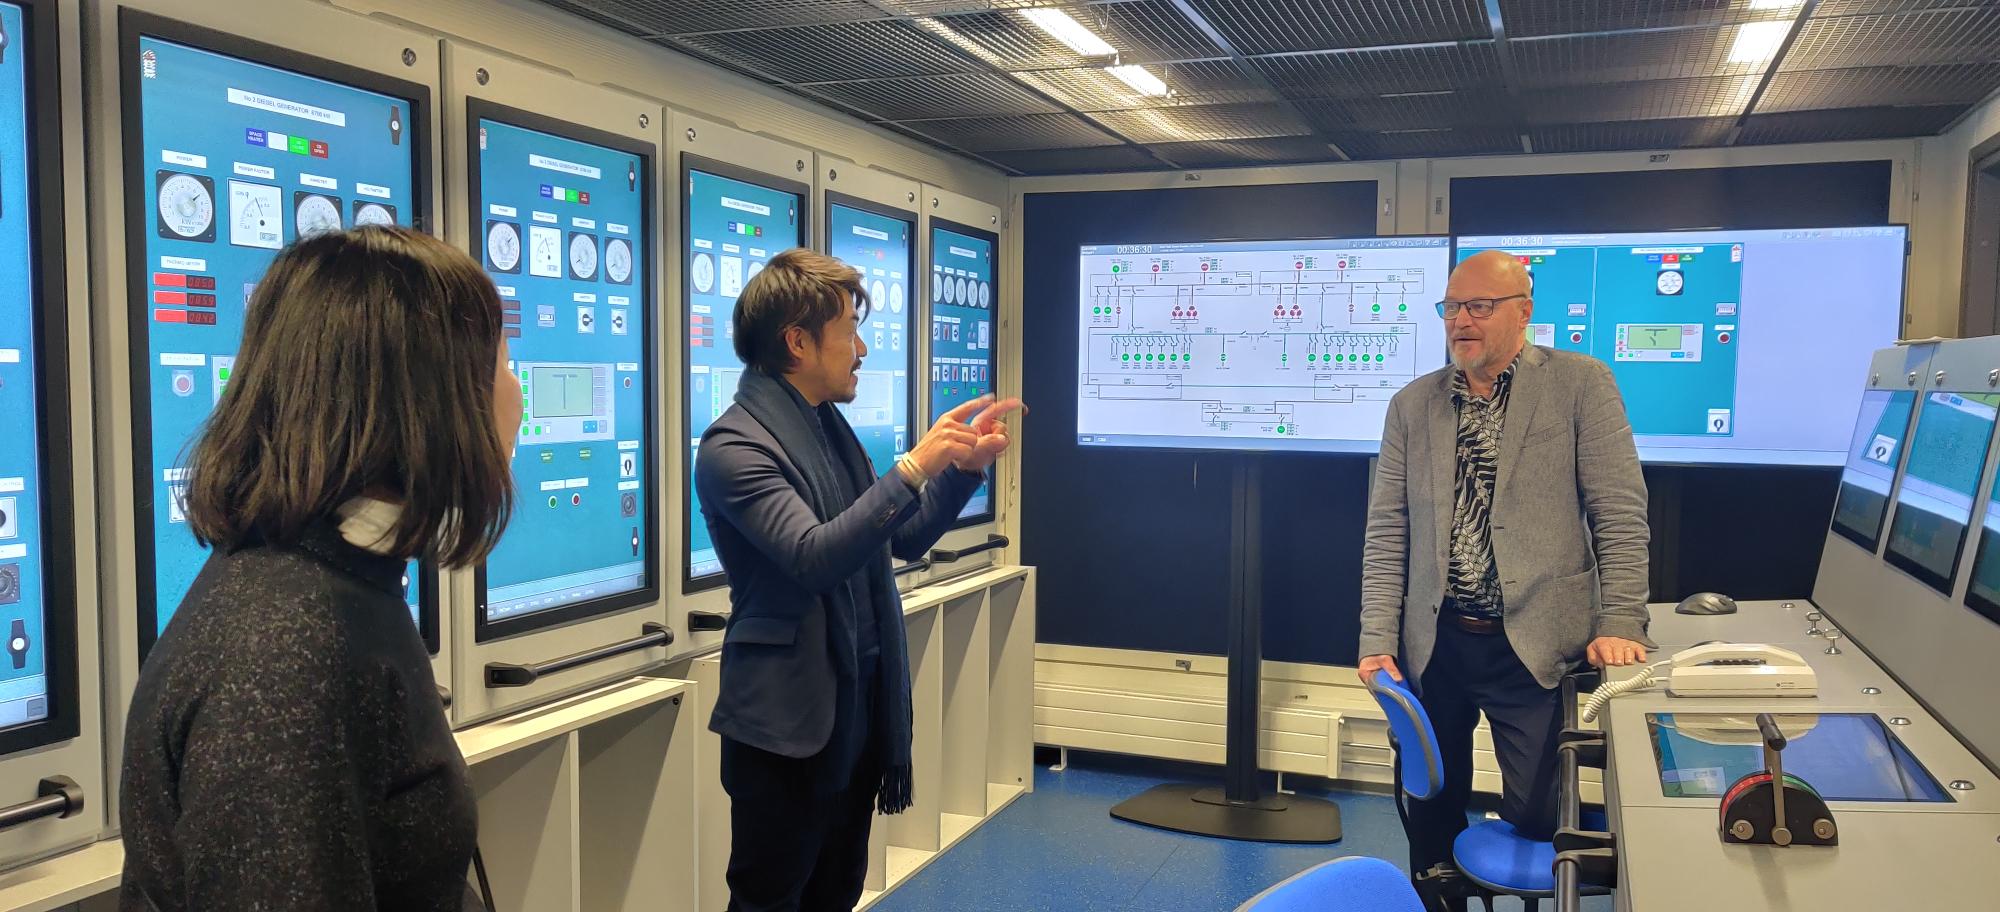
[1351, 884]
[1491, 854]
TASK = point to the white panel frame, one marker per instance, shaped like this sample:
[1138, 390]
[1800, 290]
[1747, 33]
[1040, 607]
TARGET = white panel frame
[516, 84]
[337, 36]
[80, 758]
[716, 142]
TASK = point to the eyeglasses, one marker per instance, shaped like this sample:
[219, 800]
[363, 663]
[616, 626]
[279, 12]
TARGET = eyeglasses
[1481, 308]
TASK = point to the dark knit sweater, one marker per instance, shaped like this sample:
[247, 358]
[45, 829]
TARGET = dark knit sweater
[286, 748]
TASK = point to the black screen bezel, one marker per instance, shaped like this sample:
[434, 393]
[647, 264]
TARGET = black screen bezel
[49, 296]
[132, 26]
[991, 512]
[1906, 563]
[479, 109]
[690, 163]
[1872, 540]
[836, 198]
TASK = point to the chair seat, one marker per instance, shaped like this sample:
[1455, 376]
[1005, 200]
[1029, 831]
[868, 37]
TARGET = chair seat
[1497, 857]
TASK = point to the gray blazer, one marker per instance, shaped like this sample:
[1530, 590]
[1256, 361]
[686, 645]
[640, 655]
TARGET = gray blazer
[1569, 517]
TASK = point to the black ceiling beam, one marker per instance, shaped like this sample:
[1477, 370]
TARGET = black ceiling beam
[1038, 92]
[1509, 79]
[1771, 72]
[1250, 72]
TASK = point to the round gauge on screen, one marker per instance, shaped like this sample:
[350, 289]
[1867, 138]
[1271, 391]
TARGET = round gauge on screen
[582, 256]
[896, 297]
[938, 283]
[1670, 282]
[964, 291]
[878, 294]
[503, 246]
[756, 266]
[378, 214]
[947, 294]
[703, 273]
[618, 260]
[316, 214]
[186, 207]
[985, 294]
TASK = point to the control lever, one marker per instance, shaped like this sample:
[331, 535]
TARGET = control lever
[707, 621]
[502, 674]
[943, 556]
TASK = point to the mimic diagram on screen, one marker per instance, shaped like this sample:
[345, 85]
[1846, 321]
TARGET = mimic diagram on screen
[1224, 341]
[1663, 316]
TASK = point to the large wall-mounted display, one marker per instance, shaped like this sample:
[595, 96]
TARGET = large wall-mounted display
[561, 214]
[1713, 335]
[880, 242]
[1293, 345]
[234, 149]
[965, 295]
[38, 661]
[733, 221]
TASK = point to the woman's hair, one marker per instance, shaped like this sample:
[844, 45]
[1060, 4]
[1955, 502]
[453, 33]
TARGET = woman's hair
[367, 365]
[799, 287]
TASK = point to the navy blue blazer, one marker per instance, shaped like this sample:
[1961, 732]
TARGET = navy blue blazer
[783, 655]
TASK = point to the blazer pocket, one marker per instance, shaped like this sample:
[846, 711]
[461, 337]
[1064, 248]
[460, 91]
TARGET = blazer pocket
[762, 631]
[1543, 436]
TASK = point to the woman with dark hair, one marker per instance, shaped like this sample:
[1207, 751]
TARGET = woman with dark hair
[286, 747]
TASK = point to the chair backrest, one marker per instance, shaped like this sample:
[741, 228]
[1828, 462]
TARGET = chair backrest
[1416, 740]
[1351, 884]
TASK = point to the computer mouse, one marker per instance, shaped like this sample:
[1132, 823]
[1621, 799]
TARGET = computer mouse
[1706, 603]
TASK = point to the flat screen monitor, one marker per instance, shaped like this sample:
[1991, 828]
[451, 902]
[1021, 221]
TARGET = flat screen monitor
[563, 216]
[1288, 345]
[234, 149]
[964, 292]
[1940, 479]
[1879, 432]
[1712, 334]
[880, 242]
[1982, 594]
[1845, 756]
[37, 588]
[734, 221]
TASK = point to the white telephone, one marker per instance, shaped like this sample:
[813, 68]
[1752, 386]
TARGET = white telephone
[1740, 670]
[1719, 670]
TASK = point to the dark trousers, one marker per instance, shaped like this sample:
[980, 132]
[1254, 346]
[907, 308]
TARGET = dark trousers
[798, 841]
[1470, 673]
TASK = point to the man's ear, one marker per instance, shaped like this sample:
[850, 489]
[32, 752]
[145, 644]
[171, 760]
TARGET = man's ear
[797, 342]
[1527, 308]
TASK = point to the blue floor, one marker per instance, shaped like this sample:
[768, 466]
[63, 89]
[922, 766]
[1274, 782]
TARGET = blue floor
[1059, 850]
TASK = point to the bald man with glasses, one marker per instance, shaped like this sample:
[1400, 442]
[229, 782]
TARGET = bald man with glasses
[1506, 542]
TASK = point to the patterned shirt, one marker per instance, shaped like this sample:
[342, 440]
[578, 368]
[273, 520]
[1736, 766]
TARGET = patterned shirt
[1474, 577]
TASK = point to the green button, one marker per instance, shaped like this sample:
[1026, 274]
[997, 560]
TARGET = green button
[1128, 357]
[1402, 307]
[1341, 358]
[1378, 357]
[552, 501]
[300, 145]
[1312, 357]
[1281, 429]
[1378, 308]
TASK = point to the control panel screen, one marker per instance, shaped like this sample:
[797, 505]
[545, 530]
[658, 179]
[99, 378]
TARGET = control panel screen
[734, 226]
[1871, 464]
[563, 231]
[1712, 334]
[25, 561]
[1983, 594]
[963, 330]
[1846, 756]
[881, 247]
[233, 159]
[1254, 345]
[1940, 480]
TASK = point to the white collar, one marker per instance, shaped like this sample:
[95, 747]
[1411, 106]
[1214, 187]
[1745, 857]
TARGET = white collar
[369, 524]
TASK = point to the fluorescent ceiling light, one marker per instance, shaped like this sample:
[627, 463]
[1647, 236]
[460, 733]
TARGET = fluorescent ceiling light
[1757, 42]
[1140, 79]
[1775, 4]
[1070, 32]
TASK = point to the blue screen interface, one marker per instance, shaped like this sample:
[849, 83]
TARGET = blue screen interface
[880, 247]
[1940, 480]
[24, 685]
[734, 228]
[1711, 334]
[1845, 756]
[962, 332]
[1879, 433]
[563, 234]
[240, 159]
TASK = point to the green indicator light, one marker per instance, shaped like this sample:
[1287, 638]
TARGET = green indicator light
[1281, 429]
[1149, 357]
[1284, 357]
[1114, 269]
[1378, 357]
[552, 503]
[1340, 357]
[1402, 307]
[1225, 357]
[1312, 357]
[1378, 308]
[1128, 357]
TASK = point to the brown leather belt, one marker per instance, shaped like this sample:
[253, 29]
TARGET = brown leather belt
[1478, 625]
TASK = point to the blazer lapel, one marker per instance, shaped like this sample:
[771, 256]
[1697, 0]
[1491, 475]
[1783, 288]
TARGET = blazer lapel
[1522, 398]
[1443, 422]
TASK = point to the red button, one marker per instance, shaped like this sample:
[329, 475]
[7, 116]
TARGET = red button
[1576, 337]
[318, 148]
[583, 196]
[170, 297]
[576, 500]
[170, 280]
[170, 316]
[1723, 338]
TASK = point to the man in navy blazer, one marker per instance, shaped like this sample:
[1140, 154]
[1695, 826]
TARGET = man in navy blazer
[814, 707]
